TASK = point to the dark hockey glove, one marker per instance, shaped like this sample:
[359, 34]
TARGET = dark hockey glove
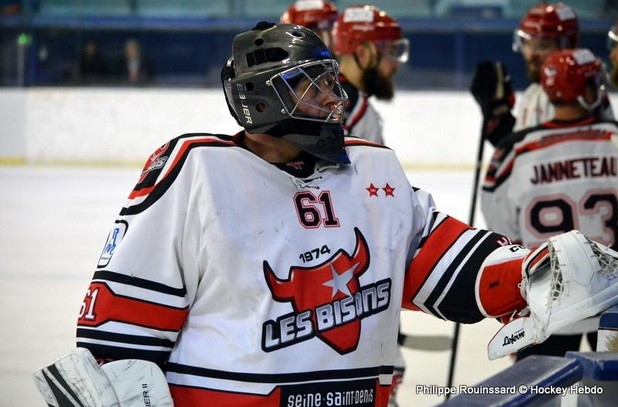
[491, 87]
[492, 90]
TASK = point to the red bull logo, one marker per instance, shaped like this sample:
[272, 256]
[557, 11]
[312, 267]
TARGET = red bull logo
[328, 301]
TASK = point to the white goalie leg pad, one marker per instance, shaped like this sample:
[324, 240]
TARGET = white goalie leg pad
[138, 383]
[581, 281]
[76, 380]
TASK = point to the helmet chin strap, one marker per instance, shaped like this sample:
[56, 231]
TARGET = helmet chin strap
[589, 106]
[322, 140]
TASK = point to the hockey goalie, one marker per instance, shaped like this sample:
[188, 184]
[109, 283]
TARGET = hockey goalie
[269, 267]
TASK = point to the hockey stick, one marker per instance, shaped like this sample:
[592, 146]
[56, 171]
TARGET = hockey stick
[475, 187]
[435, 343]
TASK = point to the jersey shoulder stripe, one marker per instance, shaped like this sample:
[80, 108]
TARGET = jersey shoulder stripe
[437, 276]
[110, 276]
[356, 114]
[122, 310]
[164, 165]
[551, 134]
[351, 141]
[457, 278]
[356, 106]
[444, 233]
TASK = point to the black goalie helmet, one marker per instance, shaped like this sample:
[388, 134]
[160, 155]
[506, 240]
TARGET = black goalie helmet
[283, 81]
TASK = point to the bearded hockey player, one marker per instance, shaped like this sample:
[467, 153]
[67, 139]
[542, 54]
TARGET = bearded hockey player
[269, 268]
[370, 46]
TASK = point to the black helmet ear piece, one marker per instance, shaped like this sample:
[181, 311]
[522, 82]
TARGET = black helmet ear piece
[228, 71]
[227, 74]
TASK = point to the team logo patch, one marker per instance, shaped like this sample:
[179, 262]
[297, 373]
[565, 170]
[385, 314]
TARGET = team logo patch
[155, 162]
[114, 237]
[328, 301]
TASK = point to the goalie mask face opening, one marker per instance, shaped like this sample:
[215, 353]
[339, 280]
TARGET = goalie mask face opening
[311, 91]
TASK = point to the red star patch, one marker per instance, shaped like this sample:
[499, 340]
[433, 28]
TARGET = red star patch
[373, 190]
[388, 190]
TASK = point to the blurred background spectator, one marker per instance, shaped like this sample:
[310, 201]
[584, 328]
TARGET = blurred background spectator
[135, 68]
[90, 67]
[186, 41]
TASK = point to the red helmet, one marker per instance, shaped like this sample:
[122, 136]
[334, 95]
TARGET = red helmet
[359, 24]
[549, 21]
[567, 73]
[312, 14]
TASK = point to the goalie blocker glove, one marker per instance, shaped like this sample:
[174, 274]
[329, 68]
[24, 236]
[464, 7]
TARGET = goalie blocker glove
[567, 279]
[492, 90]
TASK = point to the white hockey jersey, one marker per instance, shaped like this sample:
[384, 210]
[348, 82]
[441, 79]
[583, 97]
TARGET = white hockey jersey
[361, 118]
[534, 108]
[554, 178]
[251, 287]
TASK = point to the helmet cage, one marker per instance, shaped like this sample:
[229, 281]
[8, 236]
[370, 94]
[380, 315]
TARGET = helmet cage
[300, 87]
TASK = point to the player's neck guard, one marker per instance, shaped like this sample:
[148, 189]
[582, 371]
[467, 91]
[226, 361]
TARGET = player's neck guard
[322, 140]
